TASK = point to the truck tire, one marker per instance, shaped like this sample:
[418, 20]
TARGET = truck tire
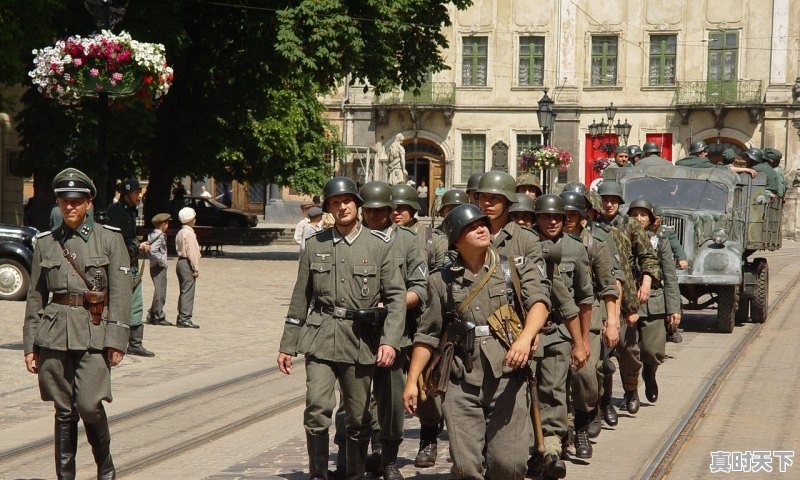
[759, 308]
[727, 301]
[14, 280]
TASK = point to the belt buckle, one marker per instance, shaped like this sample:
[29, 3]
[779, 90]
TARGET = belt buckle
[340, 312]
[74, 299]
[482, 331]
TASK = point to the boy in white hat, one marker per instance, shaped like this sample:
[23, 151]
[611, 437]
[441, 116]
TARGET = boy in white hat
[188, 267]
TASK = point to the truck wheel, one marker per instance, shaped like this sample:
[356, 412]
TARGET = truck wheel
[759, 308]
[14, 280]
[727, 301]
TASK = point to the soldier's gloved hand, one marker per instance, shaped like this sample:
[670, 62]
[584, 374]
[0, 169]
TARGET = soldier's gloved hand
[410, 396]
[386, 354]
[32, 362]
[114, 356]
[578, 356]
[519, 352]
[285, 363]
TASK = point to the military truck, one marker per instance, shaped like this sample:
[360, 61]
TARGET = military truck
[721, 219]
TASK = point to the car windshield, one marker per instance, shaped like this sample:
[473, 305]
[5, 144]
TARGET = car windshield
[679, 193]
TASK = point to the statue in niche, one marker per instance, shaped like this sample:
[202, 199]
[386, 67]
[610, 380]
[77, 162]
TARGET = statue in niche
[397, 161]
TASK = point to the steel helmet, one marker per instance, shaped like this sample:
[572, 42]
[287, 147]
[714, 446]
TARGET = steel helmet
[658, 210]
[499, 183]
[645, 204]
[753, 154]
[377, 194]
[773, 155]
[576, 202]
[634, 151]
[524, 204]
[697, 147]
[549, 204]
[528, 179]
[454, 197]
[650, 147]
[473, 181]
[459, 218]
[340, 186]
[611, 188]
[403, 194]
[577, 187]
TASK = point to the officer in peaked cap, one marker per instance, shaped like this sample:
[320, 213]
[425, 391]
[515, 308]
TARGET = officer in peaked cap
[83, 327]
[123, 216]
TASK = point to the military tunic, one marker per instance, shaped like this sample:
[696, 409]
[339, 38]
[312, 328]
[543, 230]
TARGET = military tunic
[781, 181]
[338, 275]
[64, 336]
[433, 247]
[488, 408]
[654, 161]
[773, 182]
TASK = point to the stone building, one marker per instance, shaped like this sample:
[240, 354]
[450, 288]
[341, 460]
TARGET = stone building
[723, 72]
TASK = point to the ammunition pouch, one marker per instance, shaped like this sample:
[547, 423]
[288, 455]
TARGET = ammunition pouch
[372, 317]
[505, 325]
[462, 335]
[94, 301]
[437, 372]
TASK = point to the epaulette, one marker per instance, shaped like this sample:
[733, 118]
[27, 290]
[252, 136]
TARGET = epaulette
[316, 233]
[381, 235]
[408, 230]
[575, 237]
[44, 234]
[113, 229]
[531, 230]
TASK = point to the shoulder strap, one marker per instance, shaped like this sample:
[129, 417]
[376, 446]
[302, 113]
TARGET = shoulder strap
[71, 259]
[482, 283]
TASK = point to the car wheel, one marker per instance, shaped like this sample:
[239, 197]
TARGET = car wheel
[14, 280]
[727, 301]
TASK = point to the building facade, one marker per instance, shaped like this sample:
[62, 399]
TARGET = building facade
[724, 72]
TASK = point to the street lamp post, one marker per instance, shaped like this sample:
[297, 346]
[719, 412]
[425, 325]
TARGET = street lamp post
[546, 117]
[599, 131]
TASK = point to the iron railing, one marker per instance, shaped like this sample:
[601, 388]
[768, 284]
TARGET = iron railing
[719, 92]
[433, 93]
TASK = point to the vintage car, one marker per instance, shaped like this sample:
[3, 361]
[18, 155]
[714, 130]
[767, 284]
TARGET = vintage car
[16, 253]
[721, 219]
[211, 213]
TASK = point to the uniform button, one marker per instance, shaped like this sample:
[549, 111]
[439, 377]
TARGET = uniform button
[483, 342]
[343, 260]
[477, 309]
[341, 300]
[343, 280]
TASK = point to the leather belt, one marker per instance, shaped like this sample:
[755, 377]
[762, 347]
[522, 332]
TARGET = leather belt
[338, 312]
[482, 331]
[71, 299]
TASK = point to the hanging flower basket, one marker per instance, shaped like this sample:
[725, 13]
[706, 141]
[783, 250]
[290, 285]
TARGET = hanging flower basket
[543, 158]
[601, 163]
[104, 62]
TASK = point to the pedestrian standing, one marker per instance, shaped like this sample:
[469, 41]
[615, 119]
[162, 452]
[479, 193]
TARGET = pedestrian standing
[158, 268]
[311, 227]
[334, 320]
[73, 339]
[422, 195]
[123, 216]
[188, 266]
[300, 227]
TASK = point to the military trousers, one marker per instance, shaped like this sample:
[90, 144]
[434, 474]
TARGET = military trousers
[430, 411]
[187, 283]
[137, 305]
[493, 418]
[77, 382]
[643, 344]
[585, 388]
[159, 276]
[552, 382]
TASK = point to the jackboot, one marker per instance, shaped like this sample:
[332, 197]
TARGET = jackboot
[317, 455]
[100, 439]
[66, 445]
[609, 412]
[583, 449]
[373, 463]
[650, 384]
[595, 428]
[426, 457]
[632, 401]
[356, 458]
[135, 346]
[391, 472]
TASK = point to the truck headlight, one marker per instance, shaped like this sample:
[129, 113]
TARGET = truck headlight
[719, 236]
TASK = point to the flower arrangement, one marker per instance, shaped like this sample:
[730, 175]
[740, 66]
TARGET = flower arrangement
[541, 158]
[601, 163]
[103, 62]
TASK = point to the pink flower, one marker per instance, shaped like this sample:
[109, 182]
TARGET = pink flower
[117, 76]
[78, 62]
[94, 72]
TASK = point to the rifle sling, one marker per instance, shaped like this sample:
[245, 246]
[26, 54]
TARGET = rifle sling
[71, 259]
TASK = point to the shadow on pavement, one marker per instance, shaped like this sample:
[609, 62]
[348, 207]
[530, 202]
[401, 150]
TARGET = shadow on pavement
[13, 346]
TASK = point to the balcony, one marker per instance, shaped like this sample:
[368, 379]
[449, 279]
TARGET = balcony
[434, 94]
[718, 97]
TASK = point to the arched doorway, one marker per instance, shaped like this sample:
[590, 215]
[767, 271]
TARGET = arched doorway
[425, 161]
[716, 145]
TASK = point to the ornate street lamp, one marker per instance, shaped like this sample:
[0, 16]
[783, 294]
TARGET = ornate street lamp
[546, 116]
[598, 131]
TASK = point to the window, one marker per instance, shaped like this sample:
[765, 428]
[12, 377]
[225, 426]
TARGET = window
[723, 52]
[528, 141]
[662, 59]
[531, 61]
[473, 155]
[604, 61]
[474, 61]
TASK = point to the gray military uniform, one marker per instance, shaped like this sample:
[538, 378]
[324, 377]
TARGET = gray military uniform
[72, 367]
[488, 408]
[339, 275]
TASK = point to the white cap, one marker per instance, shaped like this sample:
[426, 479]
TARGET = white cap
[186, 214]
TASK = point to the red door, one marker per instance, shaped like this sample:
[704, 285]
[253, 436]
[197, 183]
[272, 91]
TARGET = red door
[664, 142]
[592, 154]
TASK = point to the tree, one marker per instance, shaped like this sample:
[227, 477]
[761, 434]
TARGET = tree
[244, 104]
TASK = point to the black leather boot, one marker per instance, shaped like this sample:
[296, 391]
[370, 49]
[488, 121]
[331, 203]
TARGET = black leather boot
[594, 428]
[374, 464]
[391, 472]
[135, 346]
[632, 401]
[650, 384]
[554, 467]
[317, 455]
[583, 449]
[100, 439]
[356, 458]
[428, 448]
[606, 407]
[66, 444]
